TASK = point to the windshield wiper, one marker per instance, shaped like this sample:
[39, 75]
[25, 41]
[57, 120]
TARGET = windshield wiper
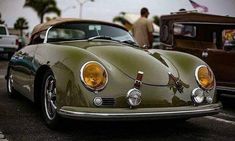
[129, 42]
[102, 37]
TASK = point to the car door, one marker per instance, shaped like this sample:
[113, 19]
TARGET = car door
[23, 71]
[24, 67]
[189, 46]
[223, 65]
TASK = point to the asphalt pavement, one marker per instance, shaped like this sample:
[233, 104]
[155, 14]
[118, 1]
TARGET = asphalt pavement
[20, 120]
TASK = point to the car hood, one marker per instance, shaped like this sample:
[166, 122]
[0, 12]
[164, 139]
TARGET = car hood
[130, 60]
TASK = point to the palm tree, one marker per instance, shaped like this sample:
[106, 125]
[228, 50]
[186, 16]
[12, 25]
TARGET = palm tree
[21, 24]
[42, 7]
[1, 22]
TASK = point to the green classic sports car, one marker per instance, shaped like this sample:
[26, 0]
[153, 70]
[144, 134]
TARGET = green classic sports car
[86, 69]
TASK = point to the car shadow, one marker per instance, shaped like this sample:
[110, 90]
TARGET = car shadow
[120, 130]
[228, 102]
[4, 57]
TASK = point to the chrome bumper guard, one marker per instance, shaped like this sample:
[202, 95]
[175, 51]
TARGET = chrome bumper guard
[138, 113]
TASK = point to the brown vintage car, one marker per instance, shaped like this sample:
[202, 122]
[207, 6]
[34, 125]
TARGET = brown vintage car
[209, 37]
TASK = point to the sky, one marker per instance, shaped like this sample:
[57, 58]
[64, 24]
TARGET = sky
[107, 9]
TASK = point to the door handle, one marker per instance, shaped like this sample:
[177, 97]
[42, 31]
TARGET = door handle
[204, 54]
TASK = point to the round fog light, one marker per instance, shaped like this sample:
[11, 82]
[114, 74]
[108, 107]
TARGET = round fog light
[98, 101]
[198, 95]
[209, 99]
[134, 97]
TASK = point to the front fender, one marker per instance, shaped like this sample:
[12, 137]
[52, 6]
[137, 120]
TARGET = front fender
[186, 65]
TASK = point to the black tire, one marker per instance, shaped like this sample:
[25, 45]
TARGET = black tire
[11, 92]
[48, 100]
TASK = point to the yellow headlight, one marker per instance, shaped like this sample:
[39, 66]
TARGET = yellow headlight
[205, 77]
[94, 75]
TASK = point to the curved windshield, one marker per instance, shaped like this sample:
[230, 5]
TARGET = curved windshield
[87, 31]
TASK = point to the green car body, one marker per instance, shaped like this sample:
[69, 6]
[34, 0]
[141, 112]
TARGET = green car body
[166, 87]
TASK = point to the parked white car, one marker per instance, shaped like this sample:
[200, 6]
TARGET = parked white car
[8, 43]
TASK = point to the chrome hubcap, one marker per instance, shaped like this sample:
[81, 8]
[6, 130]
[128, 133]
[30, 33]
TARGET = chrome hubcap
[10, 83]
[50, 97]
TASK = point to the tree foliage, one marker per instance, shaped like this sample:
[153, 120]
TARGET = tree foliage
[21, 24]
[42, 7]
[1, 21]
[121, 19]
[156, 20]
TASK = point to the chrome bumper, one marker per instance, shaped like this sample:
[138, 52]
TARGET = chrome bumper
[224, 88]
[8, 49]
[138, 113]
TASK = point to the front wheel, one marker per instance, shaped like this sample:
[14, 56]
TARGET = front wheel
[10, 89]
[48, 100]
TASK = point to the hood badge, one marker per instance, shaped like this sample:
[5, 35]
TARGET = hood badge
[176, 84]
[138, 80]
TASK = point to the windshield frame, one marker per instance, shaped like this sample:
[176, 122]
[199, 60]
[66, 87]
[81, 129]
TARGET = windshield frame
[86, 22]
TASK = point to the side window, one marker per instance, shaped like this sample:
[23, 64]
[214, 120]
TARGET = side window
[63, 34]
[3, 31]
[228, 39]
[185, 30]
[38, 38]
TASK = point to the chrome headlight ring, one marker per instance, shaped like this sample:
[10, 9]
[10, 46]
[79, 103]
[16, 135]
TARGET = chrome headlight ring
[99, 88]
[134, 97]
[198, 80]
[198, 96]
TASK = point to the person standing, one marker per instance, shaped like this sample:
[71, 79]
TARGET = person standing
[143, 29]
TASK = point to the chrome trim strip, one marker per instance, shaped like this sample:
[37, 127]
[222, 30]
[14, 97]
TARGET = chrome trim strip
[107, 115]
[228, 95]
[210, 23]
[164, 44]
[225, 88]
[45, 39]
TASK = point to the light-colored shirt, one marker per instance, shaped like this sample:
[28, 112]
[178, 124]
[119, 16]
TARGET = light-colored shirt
[141, 29]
